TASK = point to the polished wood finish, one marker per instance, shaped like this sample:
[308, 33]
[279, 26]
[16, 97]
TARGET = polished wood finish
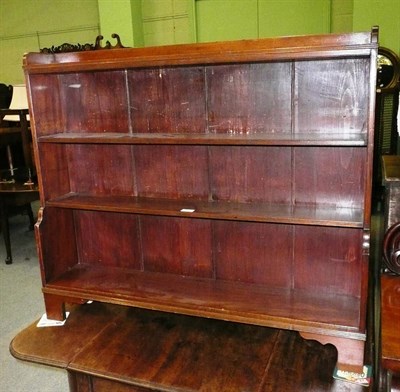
[390, 313]
[126, 349]
[391, 182]
[224, 180]
[390, 338]
[391, 248]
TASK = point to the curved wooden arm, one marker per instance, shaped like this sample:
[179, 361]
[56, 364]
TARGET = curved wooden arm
[391, 248]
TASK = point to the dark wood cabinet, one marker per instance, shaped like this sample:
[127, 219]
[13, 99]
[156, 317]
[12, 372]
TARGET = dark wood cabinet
[225, 180]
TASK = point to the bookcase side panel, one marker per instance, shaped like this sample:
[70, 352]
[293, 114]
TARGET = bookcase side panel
[172, 172]
[108, 239]
[180, 246]
[254, 253]
[56, 240]
[167, 99]
[249, 98]
[331, 95]
[95, 101]
[251, 174]
[101, 169]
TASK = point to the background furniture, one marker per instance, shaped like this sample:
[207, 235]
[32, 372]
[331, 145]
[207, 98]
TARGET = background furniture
[387, 104]
[391, 182]
[222, 180]
[123, 349]
[390, 310]
[5, 95]
[15, 197]
[389, 278]
[17, 187]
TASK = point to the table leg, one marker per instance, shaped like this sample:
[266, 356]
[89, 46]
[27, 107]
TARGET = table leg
[6, 230]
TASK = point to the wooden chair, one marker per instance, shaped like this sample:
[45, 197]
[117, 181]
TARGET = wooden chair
[17, 188]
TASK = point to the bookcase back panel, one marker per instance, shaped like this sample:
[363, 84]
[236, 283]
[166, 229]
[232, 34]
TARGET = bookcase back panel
[328, 260]
[177, 245]
[172, 171]
[80, 102]
[95, 102]
[168, 100]
[98, 243]
[100, 170]
[247, 174]
[247, 98]
[331, 95]
[328, 175]
[268, 260]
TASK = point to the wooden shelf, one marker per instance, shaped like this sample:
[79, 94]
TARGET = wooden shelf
[337, 315]
[257, 139]
[254, 212]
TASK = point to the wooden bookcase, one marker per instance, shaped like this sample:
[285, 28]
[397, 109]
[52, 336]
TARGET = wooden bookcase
[225, 180]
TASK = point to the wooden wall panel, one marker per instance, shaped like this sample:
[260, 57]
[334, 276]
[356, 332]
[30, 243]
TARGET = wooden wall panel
[170, 100]
[328, 260]
[254, 253]
[248, 98]
[100, 240]
[100, 170]
[331, 95]
[250, 174]
[177, 245]
[88, 104]
[47, 114]
[54, 171]
[330, 175]
[172, 171]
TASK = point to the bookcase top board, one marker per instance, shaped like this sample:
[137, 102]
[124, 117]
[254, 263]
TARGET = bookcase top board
[267, 49]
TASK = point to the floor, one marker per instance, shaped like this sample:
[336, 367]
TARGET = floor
[20, 304]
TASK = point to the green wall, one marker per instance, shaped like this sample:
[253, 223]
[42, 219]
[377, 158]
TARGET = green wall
[28, 25]
[218, 20]
[123, 18]
[382, 13]
[229, 20]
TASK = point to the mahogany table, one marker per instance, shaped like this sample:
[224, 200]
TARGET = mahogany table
[114, 348]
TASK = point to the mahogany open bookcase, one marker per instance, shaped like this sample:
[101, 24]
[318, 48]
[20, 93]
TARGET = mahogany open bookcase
[225, 180]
